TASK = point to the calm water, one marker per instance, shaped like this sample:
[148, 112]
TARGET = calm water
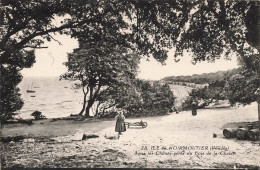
[52, 97]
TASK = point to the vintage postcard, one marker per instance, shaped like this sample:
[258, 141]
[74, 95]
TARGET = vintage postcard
[129, 84]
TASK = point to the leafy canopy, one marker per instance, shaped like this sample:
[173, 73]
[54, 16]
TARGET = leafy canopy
[100, 69]
[207, 28]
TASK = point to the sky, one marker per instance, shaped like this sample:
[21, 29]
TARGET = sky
[49, 62]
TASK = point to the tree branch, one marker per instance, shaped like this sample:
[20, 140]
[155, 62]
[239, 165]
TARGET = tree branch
[55, 40]
[30, 37]
[15, 29]
[29, 46]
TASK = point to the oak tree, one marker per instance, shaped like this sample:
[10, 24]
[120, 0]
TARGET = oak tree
[100, 68]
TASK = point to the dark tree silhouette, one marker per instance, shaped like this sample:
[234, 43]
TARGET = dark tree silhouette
[208, 29]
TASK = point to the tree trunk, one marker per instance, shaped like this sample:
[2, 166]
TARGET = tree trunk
[230, 133]
[99, 103]
[103, 112]
[90, 103]
[84, 104]
[241, 133]
[258, 103]
[87, 111]
[92, 99]
[253, 134]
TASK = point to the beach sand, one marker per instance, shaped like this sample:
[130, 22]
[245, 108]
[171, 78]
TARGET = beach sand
[170, 141]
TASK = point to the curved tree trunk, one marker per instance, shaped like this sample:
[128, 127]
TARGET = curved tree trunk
[257, 93]
[92, 98]
[87, 111]
[84, 104]
[258, 103]
[99, 103]
[89, 105]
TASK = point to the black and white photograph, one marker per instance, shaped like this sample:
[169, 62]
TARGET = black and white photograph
[132, 84]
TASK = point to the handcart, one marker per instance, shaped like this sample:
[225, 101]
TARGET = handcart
[141, 123]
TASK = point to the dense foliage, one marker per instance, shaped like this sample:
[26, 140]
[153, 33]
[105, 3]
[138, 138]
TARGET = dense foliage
[213, 92]
[99, 69]
[25, 25]
[149, 27]
[238, 87]
[157, 99]
[241, 87]
[9, 93]
[222, 27]
[145, 99]
[204, 78]
[124, 97]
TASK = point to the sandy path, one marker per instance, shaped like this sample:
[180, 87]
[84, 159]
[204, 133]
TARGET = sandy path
[164, 134]
[186, 130]
[180, 92]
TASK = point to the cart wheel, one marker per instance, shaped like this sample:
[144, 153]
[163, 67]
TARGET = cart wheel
[144, 125]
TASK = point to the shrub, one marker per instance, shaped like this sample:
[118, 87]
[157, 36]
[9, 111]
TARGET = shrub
[38, 115]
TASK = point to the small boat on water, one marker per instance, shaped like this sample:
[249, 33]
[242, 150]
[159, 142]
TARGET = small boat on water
[30, 90]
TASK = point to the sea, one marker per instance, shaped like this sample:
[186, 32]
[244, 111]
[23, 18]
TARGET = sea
[53, 97]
